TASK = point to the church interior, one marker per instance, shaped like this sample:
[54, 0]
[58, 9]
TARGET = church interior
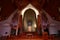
[29, 19]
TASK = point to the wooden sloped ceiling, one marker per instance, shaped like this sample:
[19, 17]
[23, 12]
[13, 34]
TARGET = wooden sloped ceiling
[8, 6]
[6, 9]
[50, 6]
[23, 3]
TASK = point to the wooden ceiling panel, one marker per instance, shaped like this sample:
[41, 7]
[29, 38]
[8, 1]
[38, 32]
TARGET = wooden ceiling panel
[50, 6]
[6, 9]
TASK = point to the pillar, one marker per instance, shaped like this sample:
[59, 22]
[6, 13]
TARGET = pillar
[39, 22]
[39, 25]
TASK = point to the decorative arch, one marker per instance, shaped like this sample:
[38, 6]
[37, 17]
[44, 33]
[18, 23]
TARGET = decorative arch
[29, 6]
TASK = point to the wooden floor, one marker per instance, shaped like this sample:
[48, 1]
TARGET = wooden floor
[35, 37]
[28, 37]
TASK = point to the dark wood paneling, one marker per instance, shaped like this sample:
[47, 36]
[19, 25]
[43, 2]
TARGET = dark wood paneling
[51, 6]
[7, 9]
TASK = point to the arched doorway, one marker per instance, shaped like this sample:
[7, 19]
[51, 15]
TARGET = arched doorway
[29, 21]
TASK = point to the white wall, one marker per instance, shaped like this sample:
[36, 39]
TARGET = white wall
[53, 30]
[4, 29]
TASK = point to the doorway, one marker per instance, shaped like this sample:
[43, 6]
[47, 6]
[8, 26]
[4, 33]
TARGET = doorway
[29, 21]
